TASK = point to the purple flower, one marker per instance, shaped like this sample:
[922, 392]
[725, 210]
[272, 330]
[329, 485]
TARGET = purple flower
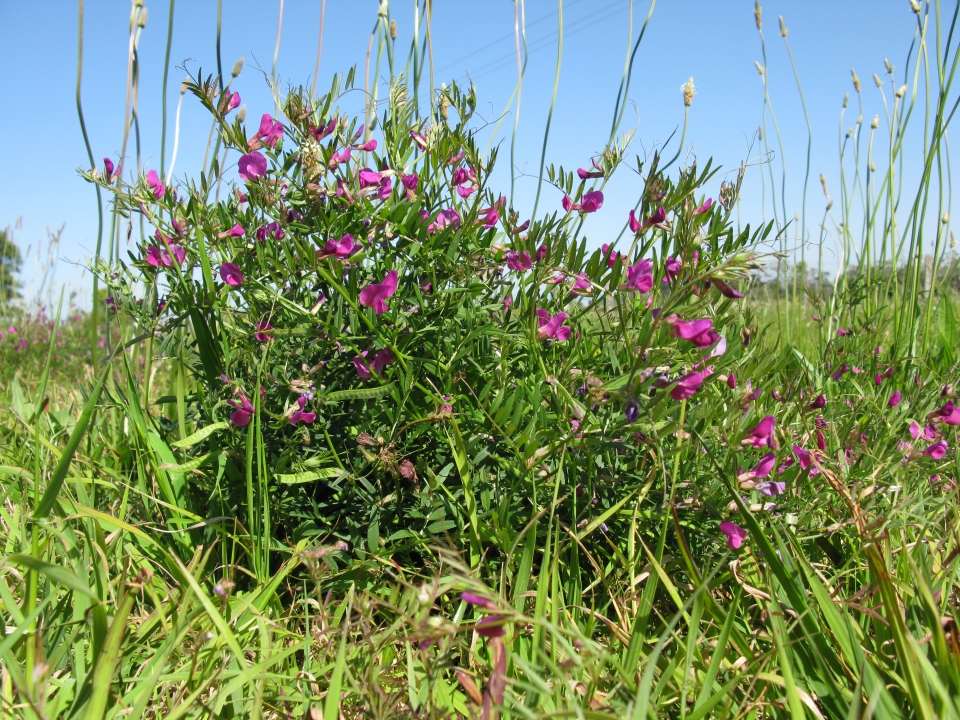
[300, 415]
[689, 384]
[445, 218]
[410, 182]
[108, 169]
[591, 201]
[380, 360]
[270, 131]
[419, 140]
[633, 410]
[518, 262]
[640, 276]
[771, 487]
[243, 411]
[369, 178]
[491, 626]
[704, 208]
[367, 146]
[725, 289]
[699, 332]
[937, 450]
[819, 403]
[672, 267]
[155, 185]
[342, 248]
[472, 599]
[735, 534]
[229, 101]
[761, 435]
[252, 166]
[161, 257]
[551, 326]
[732, 381]
[588, 174]
[569, 204]
[375, 294]
[541, 252]
[949, 414]
[262, 331]
[231, 274]
[894, 399]
[236, 231]
[762, 468]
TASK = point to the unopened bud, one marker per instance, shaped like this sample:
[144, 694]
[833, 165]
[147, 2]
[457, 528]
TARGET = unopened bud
[901, 91]
[859, 119]
[875, 123]
[237, 67]
[889, 67]
[183, 87]
[915, 6]
[849, 132]
[877, 80]
[953, 241]
[689, 91]
[783, 27]
[846, 100]
[856, 80]
[142, 19]
[758, 15]
[946, 218]
[759, 67]
[393, 29]
[823, 181]
[242, 115]
[873, 167]
[829, 205]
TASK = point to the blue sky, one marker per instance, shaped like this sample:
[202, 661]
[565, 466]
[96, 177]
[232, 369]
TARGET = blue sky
[714, 41]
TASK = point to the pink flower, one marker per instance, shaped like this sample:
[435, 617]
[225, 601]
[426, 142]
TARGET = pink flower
[949, 414]
[518, 262]
[894, 399]
[672, 267]
[735, 534]
[732, 381]
[610, 254]
[160, 257]
[236, 231]
[300, 415]
[541, 253]
[489, 217]
[242, 412]
[937, 450]
[633, 222]
[367, 146]
[262, 327]
[771, 487]
[231, 274]
[469, 597]
[155, 185]
[410, 182]
[270, 131]
[551, 326]
[581, 285]
[375, 294]
[369, 178]
[819, 403]
[108, 170]
[229, 101]
[704, 208]
[491, 626]
[640, 276]
[252, 166]
[419, 140]
[592, 201]
[761, 435]
[841, 332]
[840, 372]
[689, 384]
[342, 248]
[657, 218]
[725, 289]
[380, 360]
[699, 332]
[588, 174]
[762, 468]
[445, 218]
[568, 204]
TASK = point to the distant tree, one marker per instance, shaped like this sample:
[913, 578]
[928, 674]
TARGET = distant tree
[10, 262]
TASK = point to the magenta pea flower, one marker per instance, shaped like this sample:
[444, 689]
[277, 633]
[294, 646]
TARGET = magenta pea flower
[518, 262]
[569, 204]
[806, 459]
[771, 487]
[672, 268]
[894, 399]
[155, 184]
[732, 381]
[271, 131]
[229, 101]
[725, 289]
[735, 534]
[541, 252]
[473, 599]
[878, 378]
[589, 174]
[819, 403]
[108, 170]
[369, 178]
[418, 139]
[301, 415]
[581, 284]
[410, 182]
[948, 414]
[839, 373]
[380, 360]
[236, 231]
[342, 248]
[591, 201]
[375, 294]
[252, 166]
[699, 332]
[640, 276]
[242, 412]
[551, 326]
[689, 384]
[447, 218]
[368, 146]
[490, 627]
[161, 257]
[762, 434]
[761, 469]
[937, 450]
[489, 217]
[263, 327]
[704, 208]
[231, 274]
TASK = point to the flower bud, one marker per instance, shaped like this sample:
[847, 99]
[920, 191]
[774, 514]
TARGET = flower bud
[759, 67]
[846, 100]
[888, 66]
[877, 80]
[875, 123]
[915, 6]
[242, 115]
[237, 67]
[393, 29]
[758, 15]
[183, 86]
[946, 218]
[142, 19]
[823, 182]
[783, 27]
[856, 80]
[901, 91]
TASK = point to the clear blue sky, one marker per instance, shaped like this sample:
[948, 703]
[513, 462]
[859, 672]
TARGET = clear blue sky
[714, 41]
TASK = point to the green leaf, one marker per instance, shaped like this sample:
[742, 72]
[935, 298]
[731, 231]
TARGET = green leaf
[56, 573]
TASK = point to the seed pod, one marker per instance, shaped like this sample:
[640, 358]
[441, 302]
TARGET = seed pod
[393, 29]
